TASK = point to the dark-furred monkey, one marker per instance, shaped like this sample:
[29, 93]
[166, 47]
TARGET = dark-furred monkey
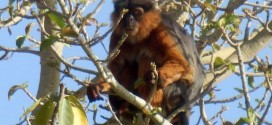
[153, 37]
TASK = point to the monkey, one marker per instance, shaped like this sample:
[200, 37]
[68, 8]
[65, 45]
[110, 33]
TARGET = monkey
[155, 37]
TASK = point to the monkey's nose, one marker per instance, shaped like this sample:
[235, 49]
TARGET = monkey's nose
[130, 19]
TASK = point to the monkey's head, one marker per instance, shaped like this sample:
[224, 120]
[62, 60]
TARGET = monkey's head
[139, 21]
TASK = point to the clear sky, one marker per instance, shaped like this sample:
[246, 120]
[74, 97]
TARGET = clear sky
[22, 68]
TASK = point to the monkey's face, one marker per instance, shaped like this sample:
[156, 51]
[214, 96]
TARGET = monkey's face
[139, 18]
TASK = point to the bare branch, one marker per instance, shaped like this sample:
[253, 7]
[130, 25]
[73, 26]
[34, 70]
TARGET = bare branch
[71, 65]
[203, 112]
[14, 20]
[26, 49]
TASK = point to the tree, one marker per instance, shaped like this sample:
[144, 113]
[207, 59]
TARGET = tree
[226, 39]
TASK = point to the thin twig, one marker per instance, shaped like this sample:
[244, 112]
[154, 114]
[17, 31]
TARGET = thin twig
[266, 110]
[71, 65]
[223, 109]
[112, 112]
[29, 94]
[234, 98]
[203, 113]
[202, 94]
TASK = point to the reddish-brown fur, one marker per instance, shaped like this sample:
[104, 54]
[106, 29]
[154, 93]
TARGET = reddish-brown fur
[149, 41]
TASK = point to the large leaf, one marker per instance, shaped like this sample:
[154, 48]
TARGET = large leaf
[80, 117]
[57, 19]
[45, 113]
[31, 108]
[74, 102]
[66, 115]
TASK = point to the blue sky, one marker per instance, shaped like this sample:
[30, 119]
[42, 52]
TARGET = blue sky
[22, 68]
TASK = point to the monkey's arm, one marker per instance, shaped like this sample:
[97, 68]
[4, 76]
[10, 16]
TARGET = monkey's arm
[173, 71]
[173, 65]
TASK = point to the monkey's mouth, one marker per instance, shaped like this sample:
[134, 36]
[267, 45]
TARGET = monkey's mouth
[129, 29]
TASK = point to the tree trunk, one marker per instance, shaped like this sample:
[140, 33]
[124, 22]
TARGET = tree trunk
[49, 76]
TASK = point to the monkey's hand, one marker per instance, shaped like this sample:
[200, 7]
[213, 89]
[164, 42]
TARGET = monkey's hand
[94, 90]
[151, 76]
[93, 93]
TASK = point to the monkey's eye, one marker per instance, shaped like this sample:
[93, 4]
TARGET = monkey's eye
[138, 11]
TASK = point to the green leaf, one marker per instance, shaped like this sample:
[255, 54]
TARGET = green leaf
[48, 42]
[95, 107]
[28, 28]
[80, 117]
[252, 116]
[231, 67]
[229, 19]
[139, 83]
[31, 108]
[239, 90]
[103, 24]
[11, 7]
[90, 21]
[20, 41]
[67, 31]
[45, 113]
[66, 115]
[75, 103]
[14, 88]
[57, 20]
[216, 46]
[218, 62]
[11, 2]
[227, 123]
[242, 121]
[210, 6]
[251, 82]
[209, 27]
[211, 94]
[27, 3]
[43, 11]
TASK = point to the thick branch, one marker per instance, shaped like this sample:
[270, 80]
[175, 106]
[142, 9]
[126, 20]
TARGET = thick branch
[249, 49]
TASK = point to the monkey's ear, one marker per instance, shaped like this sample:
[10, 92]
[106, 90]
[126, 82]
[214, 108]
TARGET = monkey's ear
[139, 11]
